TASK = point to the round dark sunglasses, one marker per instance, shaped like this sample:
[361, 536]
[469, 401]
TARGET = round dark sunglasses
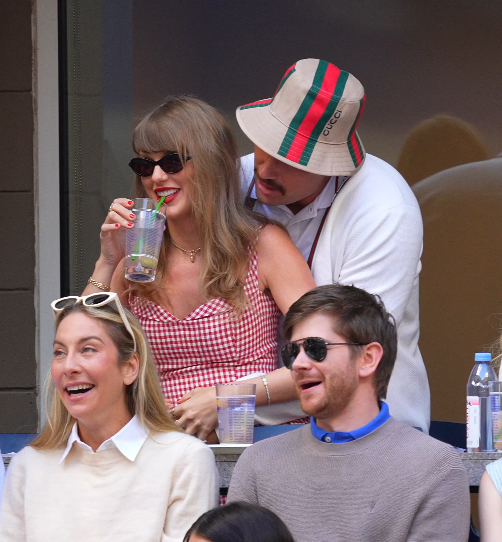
[170, 163]
[316, 349]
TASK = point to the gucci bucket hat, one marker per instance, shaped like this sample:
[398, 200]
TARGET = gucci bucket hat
[311, 121]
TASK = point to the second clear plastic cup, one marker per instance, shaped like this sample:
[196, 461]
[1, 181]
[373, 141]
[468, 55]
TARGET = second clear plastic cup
[236, 406]
[496, 409]
[143, 242]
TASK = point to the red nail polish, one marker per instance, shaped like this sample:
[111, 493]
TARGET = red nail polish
[130, 202]
[129, 223]
[131, 216]
[117, 225]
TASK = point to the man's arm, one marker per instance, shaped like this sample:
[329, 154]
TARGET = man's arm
[382, 254]
[444, 515]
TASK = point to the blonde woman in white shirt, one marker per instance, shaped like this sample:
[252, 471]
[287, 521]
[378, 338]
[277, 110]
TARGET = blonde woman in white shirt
[110, 464]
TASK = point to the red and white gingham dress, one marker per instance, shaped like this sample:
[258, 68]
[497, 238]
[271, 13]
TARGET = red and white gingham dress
[210, 346]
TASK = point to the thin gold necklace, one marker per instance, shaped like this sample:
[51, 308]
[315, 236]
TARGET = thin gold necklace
[191, 253]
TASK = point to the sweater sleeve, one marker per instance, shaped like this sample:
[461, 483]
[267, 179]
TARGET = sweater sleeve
[194, 491]
[444, 515]
[12, 520]
[243, 482]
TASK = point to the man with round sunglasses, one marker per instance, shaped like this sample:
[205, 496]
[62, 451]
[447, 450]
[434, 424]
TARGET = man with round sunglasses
[354, 472]
[352, 216]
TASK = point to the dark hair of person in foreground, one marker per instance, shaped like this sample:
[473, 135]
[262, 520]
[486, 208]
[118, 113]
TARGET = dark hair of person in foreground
[240, 522]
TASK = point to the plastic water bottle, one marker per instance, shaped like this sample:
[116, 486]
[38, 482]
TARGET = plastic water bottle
[479, 418]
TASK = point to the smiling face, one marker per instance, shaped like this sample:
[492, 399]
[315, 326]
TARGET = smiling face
[327, 388]
[278, 183]
[177, 187]
[87, 375]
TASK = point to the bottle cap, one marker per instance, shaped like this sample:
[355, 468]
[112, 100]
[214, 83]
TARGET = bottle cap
[482, 356]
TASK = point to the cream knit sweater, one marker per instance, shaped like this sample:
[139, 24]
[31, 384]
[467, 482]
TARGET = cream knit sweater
[105, 497]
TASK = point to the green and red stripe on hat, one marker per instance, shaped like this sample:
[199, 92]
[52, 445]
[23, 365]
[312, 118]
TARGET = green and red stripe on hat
[311, 122]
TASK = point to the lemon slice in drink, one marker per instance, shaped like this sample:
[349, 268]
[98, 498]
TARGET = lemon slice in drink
[148, 261]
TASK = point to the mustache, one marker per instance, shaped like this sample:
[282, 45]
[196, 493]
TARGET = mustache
[271, 184]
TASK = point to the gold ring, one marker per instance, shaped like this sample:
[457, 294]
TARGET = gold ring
[110, 208]
[172, 412]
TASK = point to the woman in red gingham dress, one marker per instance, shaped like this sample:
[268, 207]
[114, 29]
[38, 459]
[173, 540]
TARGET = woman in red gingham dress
[208, 346]
[224, 273]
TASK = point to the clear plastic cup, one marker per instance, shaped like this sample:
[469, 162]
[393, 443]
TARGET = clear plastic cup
[236, 407]
[496, 410]
[143, 242]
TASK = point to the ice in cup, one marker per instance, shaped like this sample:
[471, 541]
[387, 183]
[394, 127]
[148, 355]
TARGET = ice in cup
[236, 406]
[143, 241]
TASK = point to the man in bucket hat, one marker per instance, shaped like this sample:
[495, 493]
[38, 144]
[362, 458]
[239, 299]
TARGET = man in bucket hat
[352, 215]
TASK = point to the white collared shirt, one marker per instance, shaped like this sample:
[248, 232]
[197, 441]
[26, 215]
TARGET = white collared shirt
[302, 226]
[128, 440]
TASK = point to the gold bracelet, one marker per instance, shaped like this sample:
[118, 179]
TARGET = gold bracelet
[265, 383]
[100, 285]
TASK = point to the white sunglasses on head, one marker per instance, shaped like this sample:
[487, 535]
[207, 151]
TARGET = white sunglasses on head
[94, 300]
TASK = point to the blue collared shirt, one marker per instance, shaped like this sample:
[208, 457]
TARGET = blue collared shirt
[342, 436]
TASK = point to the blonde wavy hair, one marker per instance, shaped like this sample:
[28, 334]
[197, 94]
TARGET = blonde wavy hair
[193, 128]
[144, 396]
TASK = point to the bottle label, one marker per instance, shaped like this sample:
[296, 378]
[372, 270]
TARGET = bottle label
[473, 421]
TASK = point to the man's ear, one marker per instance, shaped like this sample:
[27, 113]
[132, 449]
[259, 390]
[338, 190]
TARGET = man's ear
[370, 359]
[131, 369]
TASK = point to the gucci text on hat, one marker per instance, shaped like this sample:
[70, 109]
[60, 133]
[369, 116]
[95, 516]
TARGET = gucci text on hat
[311, 121]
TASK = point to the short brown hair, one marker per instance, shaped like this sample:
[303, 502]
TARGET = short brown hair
[359, 317]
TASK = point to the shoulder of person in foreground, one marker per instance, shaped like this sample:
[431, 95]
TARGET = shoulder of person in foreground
[194, 484]
[458, 182]
[490, 502]
[181, 446]
[436, 470]
[265, 456]
[424, 447]
[382, 183]
[12, 509]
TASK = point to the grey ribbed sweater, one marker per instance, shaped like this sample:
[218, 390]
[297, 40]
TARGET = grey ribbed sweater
[396, 484]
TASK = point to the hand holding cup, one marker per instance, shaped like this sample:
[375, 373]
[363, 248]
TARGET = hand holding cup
[119, 218]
